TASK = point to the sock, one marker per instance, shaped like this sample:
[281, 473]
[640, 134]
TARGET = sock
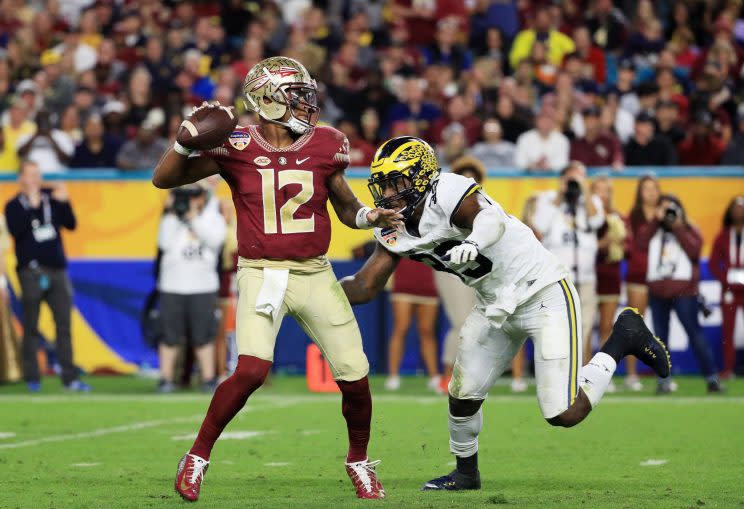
[227, 401]
[468, 466]
[356, 406]
[614, 347]
[464, 433]
[595, 376]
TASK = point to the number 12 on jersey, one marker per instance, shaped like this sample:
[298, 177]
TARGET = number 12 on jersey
[289, 223]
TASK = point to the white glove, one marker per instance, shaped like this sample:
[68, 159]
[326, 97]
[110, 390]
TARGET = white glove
[465, 252]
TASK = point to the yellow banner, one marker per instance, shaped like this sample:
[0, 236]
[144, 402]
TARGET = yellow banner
[119, 218]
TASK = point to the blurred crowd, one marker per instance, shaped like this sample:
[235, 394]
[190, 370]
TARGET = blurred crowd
[519, 84]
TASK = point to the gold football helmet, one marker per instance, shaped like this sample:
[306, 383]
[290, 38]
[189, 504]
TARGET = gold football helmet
[278, 85]
[403, 168]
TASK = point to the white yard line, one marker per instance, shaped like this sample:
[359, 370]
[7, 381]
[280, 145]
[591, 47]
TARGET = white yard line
[135, 426]
[653, 463]
[227, 435]
[101, 432]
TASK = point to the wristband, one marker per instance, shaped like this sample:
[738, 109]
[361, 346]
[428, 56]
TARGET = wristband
[180, 149]
[361, 219]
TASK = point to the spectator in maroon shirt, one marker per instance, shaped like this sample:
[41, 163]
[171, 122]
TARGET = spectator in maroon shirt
[459, 111]
[597, 148]
[701, 147]
[727, 265]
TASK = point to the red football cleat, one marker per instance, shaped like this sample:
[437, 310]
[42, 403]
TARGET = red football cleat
[364, 478]
[190, 475]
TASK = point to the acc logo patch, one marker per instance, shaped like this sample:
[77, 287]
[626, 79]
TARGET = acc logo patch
[282, 160]
[262, 160]
[390, 236]
[239, 140]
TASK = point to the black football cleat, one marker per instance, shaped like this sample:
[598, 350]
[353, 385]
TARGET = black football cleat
[639, 341]
[453, 481]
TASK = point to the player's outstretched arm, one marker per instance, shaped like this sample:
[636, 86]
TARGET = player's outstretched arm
[175, 170]
[352, 212]
[371, 278]
[485, 222]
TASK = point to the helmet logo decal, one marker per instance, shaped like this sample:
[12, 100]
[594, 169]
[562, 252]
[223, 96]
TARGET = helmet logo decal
[263, 78]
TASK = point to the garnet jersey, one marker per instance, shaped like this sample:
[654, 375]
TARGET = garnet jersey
[280, 194]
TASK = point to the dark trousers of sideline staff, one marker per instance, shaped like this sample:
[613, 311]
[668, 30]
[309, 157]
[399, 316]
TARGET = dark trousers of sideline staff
[54, 287]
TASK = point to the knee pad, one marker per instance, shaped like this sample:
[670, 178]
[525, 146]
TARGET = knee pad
[464, 407]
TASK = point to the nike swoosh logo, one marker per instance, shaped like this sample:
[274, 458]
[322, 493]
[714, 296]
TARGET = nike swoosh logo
[183, 485]
[300, 161]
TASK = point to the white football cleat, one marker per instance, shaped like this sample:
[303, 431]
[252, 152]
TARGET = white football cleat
[633, 383]
[435, 384]
[392, 383]
[519, 385]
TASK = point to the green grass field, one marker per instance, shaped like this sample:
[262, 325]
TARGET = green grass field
[119, 447]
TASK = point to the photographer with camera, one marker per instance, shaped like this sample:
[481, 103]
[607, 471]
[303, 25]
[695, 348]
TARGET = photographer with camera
[673, 274]
[566, 222]
[191, 234]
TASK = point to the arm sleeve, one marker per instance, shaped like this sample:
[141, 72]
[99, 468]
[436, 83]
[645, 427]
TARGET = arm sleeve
[170, 227]
[560, 157]
[488, 227]
[545, 213]
[690, 239]
[521, 158]
[596, 221]
[451, 191]
[64, 142]
[63, 215]
[717, 262]
[18, 219]
[521, 48]
[210, 227]
[645, 233]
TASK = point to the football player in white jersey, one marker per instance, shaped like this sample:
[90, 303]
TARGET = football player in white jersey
[522, 291]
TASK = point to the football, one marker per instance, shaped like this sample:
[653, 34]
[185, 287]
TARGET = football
[207, 127]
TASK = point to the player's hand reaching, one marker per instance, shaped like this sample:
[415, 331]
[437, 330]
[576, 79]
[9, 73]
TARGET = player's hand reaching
[385, 218]
[465, 252]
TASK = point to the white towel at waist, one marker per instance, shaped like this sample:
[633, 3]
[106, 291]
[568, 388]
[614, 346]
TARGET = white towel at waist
[271, 296]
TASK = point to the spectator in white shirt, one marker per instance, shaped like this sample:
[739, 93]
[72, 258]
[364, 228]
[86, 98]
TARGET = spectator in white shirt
[494, 152]
[566, 222]
[191, 234]
[543, 148]
[51, 149]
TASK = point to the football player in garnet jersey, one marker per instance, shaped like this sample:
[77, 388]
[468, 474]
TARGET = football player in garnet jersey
[281, 173]
[522, 291]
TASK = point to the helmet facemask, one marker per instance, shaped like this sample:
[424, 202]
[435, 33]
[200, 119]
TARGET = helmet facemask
[403, 169]
[402, 187]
